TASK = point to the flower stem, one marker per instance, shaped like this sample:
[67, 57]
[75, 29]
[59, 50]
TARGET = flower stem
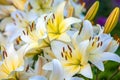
[114, 74]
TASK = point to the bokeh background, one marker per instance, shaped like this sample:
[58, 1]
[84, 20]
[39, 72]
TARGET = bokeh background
[106, 6]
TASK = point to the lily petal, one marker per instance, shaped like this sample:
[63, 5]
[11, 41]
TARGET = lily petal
[96, 60]
[64, 25]
[86, 71]
[110, 56]
[59, 13]
[57, 69]
[37, 78]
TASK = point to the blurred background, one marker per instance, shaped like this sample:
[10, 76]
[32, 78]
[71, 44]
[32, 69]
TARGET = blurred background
[106, 6]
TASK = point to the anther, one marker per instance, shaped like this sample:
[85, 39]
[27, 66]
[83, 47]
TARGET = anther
[27, 68]
[101, 43]
[54, 16]
[23, 32]
[45, 17]
[62, 54]
[63, 49]
[98, 38]
[69, 48]
[89, 38]
[93, 44]
[98, 45]
[4, 54]
[65, 57]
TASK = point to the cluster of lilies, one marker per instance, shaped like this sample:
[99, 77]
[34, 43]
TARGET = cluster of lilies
[53, 40]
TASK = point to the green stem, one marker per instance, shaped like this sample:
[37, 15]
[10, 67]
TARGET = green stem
[114, 74]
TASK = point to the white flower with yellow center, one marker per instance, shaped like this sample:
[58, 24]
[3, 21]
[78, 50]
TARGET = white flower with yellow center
[74, 60]
[101, 46]
[13, 61]
[57, 26]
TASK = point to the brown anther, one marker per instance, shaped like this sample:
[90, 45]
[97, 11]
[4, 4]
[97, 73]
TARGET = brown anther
[30, 28]
[45, 17]
[89, 38]
[27, 68]
[23, 32]
[65, 57]
[62, 54]
[63, 49]
[27, 32]
[69, 48]
[4, 54]
[101, 43]
[93, 44]
[98, 45]
[98, 38]
[18, 40]
[32, 25]
[70, 54]
[54, 16]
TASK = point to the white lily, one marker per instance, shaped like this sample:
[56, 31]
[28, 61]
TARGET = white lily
[101, 49]
[56, 74]
[101, 46]
[57, 26]
[73, 60]
[36, 35]
[38, 6]
[13, 61]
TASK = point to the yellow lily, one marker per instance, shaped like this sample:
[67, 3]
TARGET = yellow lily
[57, 26]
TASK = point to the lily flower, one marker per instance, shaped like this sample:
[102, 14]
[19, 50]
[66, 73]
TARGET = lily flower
[35, 36]
[38, 6]
[13, 61]
[101, 46]
[74, 60]
[57, 26]
[55, 67]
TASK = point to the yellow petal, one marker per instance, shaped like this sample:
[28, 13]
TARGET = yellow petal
[112, 20]
[92, 11]
[59, 12]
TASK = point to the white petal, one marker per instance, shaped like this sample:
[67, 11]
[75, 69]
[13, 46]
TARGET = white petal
[110, 56]
[67, 22]
[64, 37]
[57, 73]
[82, 49]
[57, 48]
[48, 66]
[21, 68]
[96, 60]
[86, 71]
[37, 78]
[87, 31]
[76, 78]
[113, 46]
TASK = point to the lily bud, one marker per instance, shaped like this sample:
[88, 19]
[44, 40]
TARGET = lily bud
[92, 11]
[112, 20]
